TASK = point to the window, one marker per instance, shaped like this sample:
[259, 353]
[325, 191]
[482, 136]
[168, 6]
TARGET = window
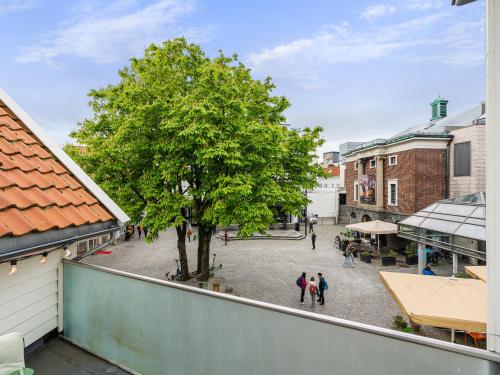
[461, 159]
[356, 191]
[372, 163]
[392, 193]
[81, 248]
[356, 166]
[393, 160]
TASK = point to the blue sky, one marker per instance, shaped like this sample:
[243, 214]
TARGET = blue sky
[361, 69]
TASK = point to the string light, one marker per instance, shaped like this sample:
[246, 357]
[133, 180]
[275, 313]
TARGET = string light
[43, 259]
[13, 267]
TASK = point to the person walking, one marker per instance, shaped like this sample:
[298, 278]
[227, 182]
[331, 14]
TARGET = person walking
[139, 230]
[145, 229]
[313, 290]
[313, 239]
[348, 257]
[226, 237]
[189, 234]
[311, 226]
[323, 285]
[302, 284]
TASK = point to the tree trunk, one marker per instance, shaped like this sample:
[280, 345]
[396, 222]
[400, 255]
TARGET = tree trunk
[181, 247]
[205, 236]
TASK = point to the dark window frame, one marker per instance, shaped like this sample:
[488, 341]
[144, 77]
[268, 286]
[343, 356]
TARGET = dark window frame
[462, 159]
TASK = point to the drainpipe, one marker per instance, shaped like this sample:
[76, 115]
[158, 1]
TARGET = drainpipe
[447, 171]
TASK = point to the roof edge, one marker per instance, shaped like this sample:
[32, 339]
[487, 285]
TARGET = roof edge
[69, 163]
[404, 138]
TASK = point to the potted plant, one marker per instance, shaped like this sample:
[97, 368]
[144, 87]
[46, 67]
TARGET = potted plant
[345, 238]
[398, 322]
[411, 257]
[366, 257]
[389, 259]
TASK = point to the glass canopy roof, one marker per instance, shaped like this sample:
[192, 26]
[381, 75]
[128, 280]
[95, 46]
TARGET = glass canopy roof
[464, 216]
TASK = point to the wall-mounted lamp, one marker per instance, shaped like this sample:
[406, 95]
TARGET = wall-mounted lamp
[43, 259]
[67, 252]
[13, 267]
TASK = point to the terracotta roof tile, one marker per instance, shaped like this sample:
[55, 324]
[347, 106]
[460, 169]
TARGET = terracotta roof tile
[37, 193]
[5, 119]
[16, 135]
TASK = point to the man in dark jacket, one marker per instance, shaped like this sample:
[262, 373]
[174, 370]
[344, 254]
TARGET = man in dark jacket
[313, 238]
[323, 285]
[302, 284]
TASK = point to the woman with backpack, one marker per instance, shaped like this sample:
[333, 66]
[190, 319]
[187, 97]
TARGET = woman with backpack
[302, 284]
[313, 290]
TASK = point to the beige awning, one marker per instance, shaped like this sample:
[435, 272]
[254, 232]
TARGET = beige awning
[374, 227]
[439, 301]
[477, 272]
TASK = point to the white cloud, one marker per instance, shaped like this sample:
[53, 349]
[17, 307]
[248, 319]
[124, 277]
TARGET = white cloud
[373, 12]
[7, 6]
[424, 4]
[107, 34]
[306, 59]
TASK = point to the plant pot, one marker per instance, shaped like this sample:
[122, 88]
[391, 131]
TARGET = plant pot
[388, 261]
[411, 260]
[365, 258]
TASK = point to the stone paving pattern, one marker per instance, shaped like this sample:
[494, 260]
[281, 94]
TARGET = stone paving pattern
[266, 270]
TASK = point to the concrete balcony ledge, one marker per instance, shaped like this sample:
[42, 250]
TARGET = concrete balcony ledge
[152, 326]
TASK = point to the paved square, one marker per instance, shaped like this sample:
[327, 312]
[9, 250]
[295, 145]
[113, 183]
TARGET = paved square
[266, 270]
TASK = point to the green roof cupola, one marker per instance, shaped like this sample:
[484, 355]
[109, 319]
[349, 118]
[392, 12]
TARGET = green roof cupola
[439, 108]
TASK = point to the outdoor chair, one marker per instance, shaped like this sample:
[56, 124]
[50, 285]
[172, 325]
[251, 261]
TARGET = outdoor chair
[12, 355]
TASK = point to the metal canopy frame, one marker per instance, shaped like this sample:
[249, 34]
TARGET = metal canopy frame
[457, 225]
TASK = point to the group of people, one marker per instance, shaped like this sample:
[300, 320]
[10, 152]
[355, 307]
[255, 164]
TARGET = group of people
[131, 229]
[316, 289]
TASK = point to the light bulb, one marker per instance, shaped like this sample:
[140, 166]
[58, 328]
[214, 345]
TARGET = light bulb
[13, 267]
[43, 259]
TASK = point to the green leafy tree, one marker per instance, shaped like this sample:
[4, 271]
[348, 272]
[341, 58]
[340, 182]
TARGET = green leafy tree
[185, 133]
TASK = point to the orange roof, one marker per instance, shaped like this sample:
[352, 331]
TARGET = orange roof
[37, 192]
[332, 170]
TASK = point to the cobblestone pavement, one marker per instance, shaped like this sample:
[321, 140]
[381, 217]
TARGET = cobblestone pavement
[266, 270]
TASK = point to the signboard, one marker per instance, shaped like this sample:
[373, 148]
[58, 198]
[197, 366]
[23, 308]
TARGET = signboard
[367, 186]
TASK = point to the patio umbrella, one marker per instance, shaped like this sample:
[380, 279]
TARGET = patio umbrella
[477, 272]
[376, 227]
[445, 302]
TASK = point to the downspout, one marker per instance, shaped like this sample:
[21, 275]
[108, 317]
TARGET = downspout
[447, 171]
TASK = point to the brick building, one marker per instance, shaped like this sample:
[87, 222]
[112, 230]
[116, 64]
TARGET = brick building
[389, 179]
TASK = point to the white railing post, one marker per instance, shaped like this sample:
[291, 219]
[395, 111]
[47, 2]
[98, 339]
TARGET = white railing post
[493, 170]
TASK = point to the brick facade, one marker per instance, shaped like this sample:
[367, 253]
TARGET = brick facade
[421, 178]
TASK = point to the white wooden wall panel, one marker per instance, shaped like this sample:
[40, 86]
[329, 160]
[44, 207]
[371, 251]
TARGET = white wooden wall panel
[29, 298]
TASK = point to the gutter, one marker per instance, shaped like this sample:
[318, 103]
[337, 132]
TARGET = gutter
[60, 243]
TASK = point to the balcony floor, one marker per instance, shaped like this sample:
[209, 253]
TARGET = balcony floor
[59, 357]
